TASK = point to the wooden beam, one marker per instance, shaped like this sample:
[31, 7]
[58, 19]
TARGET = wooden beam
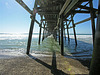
[83, 21]
[78, 11]
[49, 20]
[64, 6]
[87, 8]
[24, 6]
[80, 22]
[43, 13]
[72, 4]
[37, 22]
[47, 6]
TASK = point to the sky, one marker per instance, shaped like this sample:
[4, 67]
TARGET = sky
[15, 19]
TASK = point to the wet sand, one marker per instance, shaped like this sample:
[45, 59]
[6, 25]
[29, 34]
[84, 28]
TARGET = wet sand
[52, 64]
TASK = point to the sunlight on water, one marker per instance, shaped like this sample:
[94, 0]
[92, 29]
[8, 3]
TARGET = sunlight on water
[17, 43]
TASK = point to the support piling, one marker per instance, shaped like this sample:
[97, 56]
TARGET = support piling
[30, 34]
[68, 33]
[74, 30]
[62, 44]
[95, 64]
[92, 13]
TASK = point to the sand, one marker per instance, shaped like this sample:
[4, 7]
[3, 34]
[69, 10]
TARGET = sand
[52, 64]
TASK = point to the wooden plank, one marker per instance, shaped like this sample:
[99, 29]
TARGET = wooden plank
[72, 4]
[64, 6]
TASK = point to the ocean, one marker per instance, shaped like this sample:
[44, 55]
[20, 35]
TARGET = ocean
[15, 45]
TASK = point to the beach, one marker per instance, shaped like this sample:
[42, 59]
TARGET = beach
[41, 65]
[44, 59]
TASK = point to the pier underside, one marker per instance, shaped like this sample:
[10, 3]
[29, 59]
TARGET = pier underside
[58, 16]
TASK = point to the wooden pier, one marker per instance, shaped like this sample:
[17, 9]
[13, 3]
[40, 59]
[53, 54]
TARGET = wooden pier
[56, 17]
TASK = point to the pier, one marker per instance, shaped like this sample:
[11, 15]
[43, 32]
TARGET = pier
[57, 17]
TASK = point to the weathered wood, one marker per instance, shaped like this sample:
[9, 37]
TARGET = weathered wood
[62, 44]
[43, 36]
[74, 30]
[72, 4]
[83, 21]
[87, 8]
[40, 12]
[31, 31]
[43, 32]
[24, 6]
[64, 6]
[78, 11]
[47, 7]
[92, 13]
[80, 22]
[95, 64]
[30, 35]
[37, 22]
[39, 36]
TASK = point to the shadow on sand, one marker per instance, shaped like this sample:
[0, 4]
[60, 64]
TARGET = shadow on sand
[52, 67]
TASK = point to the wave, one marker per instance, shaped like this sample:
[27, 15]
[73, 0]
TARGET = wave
[5, 36]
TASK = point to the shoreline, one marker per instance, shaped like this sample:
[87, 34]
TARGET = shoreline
[40, 65]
